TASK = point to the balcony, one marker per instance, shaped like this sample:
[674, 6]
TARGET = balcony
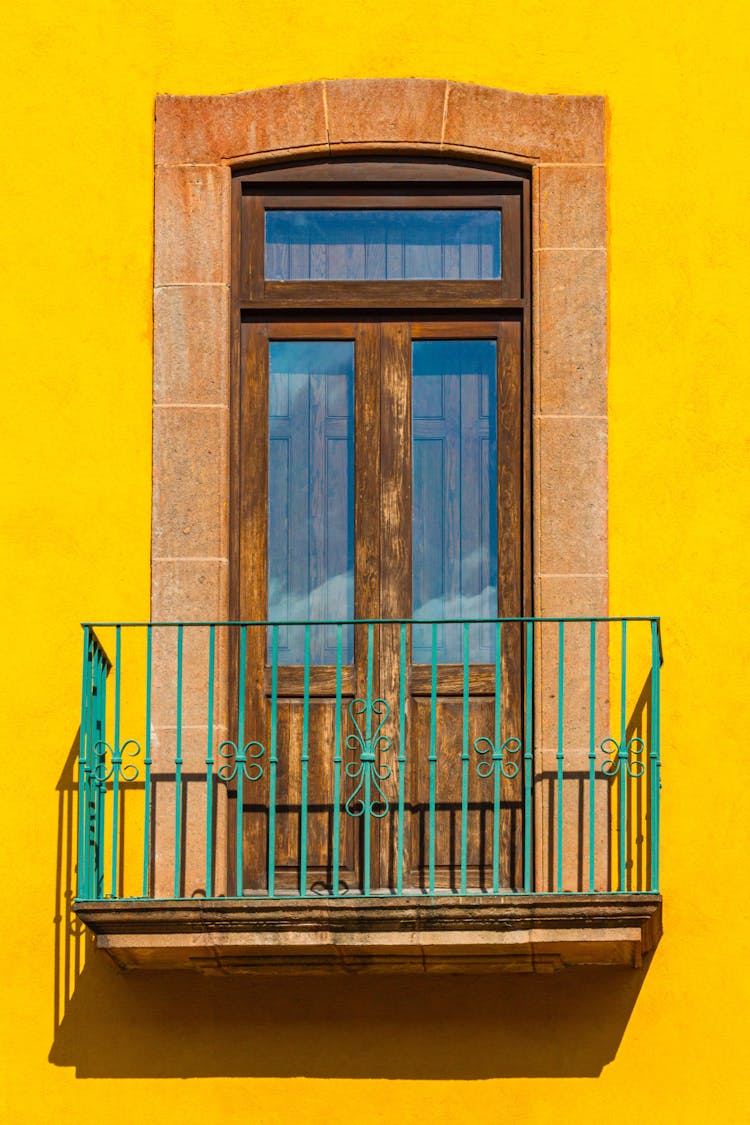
[371, 795]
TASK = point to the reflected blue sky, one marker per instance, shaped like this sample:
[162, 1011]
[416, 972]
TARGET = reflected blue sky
[454, 494]
[311, 494]
[383, 245]
[454, 486]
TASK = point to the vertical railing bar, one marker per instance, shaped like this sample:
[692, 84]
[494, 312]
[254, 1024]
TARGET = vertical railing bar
[465, 761]
[273, 762]
[178, 768]
[147, 765]
[528, 757]
[433, 755]
[623, 756]
[210, 762]
[367, 810]
[100, 721]
[83, 778]
[401, 759]
[304, 762]
[97, 730]
[497, 772]
[116, 764]
[655, 749]
[560, 751]
[592, 756]
[335, 865]
[239, 861]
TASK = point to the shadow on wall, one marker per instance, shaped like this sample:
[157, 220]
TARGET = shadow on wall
[109, 1024]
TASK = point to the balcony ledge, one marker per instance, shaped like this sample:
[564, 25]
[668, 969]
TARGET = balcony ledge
[513, 933]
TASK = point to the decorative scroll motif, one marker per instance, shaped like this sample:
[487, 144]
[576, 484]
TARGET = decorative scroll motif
[496, 762]
[368, 773]
[252, 770]
[612, 766]
[101, 773]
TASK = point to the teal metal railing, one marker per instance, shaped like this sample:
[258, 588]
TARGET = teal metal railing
[209, 765]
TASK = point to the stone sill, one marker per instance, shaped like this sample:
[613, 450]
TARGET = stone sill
[512, 933]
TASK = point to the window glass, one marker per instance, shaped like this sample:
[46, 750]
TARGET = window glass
[384, 245]
[454, 494]
[311, 494]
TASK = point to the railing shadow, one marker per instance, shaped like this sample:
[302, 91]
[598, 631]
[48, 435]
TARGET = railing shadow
[72, 940]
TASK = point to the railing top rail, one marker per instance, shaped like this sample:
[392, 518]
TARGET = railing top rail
[370, 621]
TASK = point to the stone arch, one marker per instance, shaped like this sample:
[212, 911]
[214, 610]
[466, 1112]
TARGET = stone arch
[198, 140]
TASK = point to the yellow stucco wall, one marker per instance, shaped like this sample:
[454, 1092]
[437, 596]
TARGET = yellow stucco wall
[77, 84]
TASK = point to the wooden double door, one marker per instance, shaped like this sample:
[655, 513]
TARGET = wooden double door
[380, 480]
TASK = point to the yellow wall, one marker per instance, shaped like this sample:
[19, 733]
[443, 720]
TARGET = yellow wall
[77, 84]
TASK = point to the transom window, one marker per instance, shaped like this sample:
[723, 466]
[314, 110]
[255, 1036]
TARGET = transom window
[383, 245]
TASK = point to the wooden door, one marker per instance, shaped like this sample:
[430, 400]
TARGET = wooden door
[381, 480]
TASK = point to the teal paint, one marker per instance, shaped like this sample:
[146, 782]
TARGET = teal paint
[305, 757]
[105, 769]
[273, 762]
[178, 767]
[401, 759]
[560, 756]
[592, 757]
[465, 760]
[336, 846]
[147, 763]
[433, 752]
[210, 762]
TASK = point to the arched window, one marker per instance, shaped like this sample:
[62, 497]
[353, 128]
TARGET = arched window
[227, 321]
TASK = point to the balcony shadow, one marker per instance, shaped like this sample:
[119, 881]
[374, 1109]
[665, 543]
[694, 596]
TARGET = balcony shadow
[152, 1025]
[109, 1024]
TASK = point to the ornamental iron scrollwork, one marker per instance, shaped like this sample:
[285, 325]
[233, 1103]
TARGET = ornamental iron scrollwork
[496, 762]
[618, 756]
[367, 773]
[117, 770]
[252, 770]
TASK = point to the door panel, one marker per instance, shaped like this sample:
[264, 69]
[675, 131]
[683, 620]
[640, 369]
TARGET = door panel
[451, 529]
[309, 394]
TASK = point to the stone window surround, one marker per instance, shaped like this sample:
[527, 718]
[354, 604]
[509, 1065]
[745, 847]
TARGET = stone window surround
[199, 140]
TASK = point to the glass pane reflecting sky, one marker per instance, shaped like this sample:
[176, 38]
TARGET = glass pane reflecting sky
[311, 494]
[383, 245]
[454, 494]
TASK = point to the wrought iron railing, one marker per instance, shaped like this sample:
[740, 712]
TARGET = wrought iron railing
[225, 759]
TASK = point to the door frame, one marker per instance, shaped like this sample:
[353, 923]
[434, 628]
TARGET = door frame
[261, 311]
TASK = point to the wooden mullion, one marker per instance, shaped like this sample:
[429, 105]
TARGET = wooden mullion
[251, 561]
[252, 281]
[366, 488]
[387, 295]
[511, 568]
[509, 468]
[395, 553]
